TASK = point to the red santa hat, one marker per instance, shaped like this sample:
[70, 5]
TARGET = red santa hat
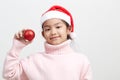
[60, 12]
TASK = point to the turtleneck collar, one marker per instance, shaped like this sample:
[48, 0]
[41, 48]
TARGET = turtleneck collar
[63, 48]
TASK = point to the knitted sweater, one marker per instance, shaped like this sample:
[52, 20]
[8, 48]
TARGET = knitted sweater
[57, 62]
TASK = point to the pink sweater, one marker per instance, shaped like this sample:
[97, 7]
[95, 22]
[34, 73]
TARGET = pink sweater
[58, 62]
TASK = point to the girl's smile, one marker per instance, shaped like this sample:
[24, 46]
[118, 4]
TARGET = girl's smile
[54, 37]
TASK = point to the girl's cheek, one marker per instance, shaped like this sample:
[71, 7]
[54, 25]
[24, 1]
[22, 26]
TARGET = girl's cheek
[47, 34]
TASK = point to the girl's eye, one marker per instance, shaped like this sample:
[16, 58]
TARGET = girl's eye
[58, 27]
[47, 29]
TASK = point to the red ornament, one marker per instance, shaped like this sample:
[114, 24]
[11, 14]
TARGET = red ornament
[29, 34]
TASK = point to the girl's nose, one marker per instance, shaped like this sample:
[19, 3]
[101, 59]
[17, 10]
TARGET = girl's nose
[53, 31]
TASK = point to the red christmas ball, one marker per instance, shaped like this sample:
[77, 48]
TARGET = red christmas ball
[29, 34]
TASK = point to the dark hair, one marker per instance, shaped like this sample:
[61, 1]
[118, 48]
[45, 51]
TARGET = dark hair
[68, 26]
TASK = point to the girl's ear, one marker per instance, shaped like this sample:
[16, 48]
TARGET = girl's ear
[42, 33]
[69, 29]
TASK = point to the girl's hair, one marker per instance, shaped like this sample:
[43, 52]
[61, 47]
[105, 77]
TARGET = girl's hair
[68, 26]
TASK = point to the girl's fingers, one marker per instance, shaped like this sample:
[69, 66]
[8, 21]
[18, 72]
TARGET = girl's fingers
[19, 35]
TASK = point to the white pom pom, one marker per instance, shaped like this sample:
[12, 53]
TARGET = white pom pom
[73, 35]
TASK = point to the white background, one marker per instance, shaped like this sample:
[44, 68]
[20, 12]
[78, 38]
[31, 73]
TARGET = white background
[97, 24]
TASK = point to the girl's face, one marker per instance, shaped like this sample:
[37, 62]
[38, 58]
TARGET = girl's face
[55, 31]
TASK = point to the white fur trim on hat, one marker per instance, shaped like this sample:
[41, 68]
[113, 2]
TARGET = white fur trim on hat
[55, 14]
[73, 35]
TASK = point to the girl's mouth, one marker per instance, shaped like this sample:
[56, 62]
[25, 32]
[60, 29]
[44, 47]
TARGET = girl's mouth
[54, 37]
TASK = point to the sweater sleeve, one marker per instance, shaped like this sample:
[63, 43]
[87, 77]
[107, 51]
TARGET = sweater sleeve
[86, 73]
[12, 69]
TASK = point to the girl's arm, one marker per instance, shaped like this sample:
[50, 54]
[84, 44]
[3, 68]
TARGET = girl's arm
[12, 69]
[86, 73]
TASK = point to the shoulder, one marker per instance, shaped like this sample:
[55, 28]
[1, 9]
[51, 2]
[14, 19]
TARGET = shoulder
[33, 56]
[82, 57]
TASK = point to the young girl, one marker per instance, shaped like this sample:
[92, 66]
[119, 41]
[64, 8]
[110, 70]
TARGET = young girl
[58, 62]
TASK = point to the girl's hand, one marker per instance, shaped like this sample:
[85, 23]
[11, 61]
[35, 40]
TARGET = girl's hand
[19, 36]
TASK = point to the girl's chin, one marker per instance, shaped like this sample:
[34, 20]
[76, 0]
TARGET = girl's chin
[55, 42]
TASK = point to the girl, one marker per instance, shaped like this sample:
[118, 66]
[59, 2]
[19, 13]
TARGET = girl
[58, 62]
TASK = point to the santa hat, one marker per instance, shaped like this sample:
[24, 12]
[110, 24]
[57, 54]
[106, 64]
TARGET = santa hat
[57, 11]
